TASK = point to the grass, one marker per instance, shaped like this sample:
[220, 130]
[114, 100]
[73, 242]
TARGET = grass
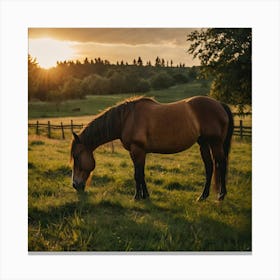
[107, 218]
[95, 103]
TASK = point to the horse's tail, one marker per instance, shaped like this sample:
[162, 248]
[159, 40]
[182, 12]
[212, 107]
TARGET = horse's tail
[227, 142]
[226, 145]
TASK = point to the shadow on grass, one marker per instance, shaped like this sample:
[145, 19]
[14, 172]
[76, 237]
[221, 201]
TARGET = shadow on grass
[63, 170]
[179, 187]
[143, 227]
[101, 181]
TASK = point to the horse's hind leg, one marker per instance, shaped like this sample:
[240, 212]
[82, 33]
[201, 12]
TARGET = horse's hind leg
[208, 164]
[138, 157]
[220, 169]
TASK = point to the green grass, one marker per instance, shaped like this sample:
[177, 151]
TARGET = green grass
[107, 218]
[95, 103]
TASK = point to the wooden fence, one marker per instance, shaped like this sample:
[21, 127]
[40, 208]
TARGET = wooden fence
[242, 130]
[47, 128]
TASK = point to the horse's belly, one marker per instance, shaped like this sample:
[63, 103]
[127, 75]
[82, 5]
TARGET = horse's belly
[168, 150]
[170, 144]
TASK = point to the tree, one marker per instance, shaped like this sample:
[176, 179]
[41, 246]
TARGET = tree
[33, 71]
[157, 63]
[72, 89]
[162, 80]
[226, 57]
[139, 61]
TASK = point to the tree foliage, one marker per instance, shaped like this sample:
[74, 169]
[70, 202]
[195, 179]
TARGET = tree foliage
[76, 79]
[32, 76]
[226, 57]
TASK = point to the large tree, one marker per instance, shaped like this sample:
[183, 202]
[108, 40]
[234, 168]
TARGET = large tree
[226, 57]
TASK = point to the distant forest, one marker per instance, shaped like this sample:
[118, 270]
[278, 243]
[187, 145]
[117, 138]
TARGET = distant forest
[76, 79]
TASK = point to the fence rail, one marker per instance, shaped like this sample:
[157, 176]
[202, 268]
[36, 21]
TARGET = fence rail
[239, 130]
[39, 127]
[242, 130]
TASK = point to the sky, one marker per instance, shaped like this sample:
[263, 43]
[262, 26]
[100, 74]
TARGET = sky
[49, 45]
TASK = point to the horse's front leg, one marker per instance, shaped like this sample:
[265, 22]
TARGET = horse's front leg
[138, 157]
[141, 187]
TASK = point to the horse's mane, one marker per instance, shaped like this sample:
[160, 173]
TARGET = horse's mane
[127, 102]
[119, 107]
[106, 125]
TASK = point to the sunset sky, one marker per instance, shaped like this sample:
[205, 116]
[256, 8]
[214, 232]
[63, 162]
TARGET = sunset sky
[49, 45]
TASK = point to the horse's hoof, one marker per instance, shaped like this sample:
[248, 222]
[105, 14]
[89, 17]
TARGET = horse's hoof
[221, 196]
[145, 196]
[201, 198]
[137, 197]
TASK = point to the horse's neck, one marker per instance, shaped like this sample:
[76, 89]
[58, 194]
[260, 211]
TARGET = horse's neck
[101, 131]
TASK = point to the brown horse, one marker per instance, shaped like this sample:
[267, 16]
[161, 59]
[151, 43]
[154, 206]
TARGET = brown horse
[146, 126]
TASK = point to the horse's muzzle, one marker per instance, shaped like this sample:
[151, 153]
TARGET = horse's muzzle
[79, 187]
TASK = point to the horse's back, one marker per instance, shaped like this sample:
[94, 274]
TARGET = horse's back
[173, 127]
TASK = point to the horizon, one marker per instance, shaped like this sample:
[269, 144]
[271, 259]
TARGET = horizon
[50, 45]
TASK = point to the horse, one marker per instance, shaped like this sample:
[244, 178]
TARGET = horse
[144, 125]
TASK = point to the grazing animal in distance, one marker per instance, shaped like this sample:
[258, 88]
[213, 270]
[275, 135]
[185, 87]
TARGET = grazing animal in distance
[144, 125]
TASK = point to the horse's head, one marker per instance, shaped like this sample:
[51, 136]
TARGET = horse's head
[84, 163]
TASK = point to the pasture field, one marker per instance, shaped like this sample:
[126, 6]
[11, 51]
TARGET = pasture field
[107, 218]
[95, 103]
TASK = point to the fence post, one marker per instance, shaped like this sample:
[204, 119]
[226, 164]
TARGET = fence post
[241, 129]
[112, 147]
[62, 131]
[37, 128]
[72, 126]
[49, 129]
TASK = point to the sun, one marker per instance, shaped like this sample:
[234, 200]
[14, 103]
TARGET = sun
[48, 51]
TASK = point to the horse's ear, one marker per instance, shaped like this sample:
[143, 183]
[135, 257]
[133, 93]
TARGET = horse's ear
[76, 137]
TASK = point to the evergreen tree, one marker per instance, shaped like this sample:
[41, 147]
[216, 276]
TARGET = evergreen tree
[157, 63]
[140, 62]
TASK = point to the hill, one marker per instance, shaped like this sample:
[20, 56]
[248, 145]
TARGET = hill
[92, 104]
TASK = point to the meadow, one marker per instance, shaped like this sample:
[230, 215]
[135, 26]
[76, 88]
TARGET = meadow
[96, 103]
[106, 217]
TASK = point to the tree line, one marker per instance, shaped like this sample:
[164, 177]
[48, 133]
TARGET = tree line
[76, 79]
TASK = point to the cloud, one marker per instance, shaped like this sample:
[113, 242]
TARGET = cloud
[130, 36]
[118, 52]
